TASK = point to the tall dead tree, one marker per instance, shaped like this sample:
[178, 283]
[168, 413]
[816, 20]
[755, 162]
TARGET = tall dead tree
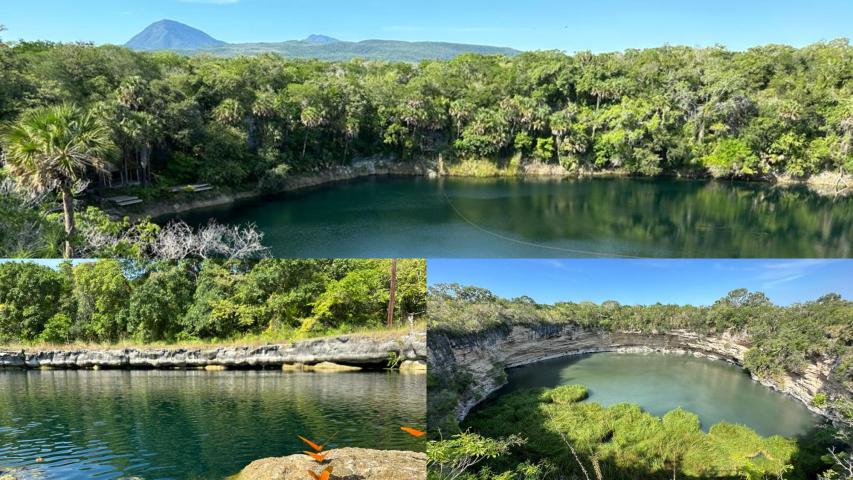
[393, 291]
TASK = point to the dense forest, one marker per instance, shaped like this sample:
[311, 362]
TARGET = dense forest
[536, 434]
[111, 301]
[162, 119]
[784, 339]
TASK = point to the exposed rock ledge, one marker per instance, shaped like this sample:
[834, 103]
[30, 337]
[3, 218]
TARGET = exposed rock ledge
[486, 355]
[365, 167]
[358, 350]
[346, 463]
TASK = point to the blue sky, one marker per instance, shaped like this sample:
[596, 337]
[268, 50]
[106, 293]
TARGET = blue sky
[695, 282]
[570, 25]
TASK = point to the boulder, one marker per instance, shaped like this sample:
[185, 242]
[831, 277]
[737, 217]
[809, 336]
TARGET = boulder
[331, 367]
[346, 463]
[413, 366]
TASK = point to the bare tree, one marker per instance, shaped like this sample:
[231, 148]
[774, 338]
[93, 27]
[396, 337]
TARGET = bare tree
[178, 240]
[391, 297]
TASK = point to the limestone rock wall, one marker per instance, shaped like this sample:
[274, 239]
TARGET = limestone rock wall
[346, 349]
[486, 354]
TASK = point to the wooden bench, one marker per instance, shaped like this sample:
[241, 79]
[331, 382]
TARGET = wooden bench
[192, 188]
[124, 200]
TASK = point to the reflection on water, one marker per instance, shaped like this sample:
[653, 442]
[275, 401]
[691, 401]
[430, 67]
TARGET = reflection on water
[459, 217]
[194, 424]
[714, 390]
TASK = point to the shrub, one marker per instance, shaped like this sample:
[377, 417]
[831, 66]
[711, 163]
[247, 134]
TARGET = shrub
[567, 394]
[57, 330]
[819, 400]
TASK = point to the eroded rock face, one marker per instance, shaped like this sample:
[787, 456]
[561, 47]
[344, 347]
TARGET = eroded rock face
[346, 463]
[487, 354]
[346, 350]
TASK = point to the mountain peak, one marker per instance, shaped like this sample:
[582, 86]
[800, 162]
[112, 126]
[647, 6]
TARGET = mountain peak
[172, 35]
[320, 39]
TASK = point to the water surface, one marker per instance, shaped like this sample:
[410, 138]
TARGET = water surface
[469, 217]
[714, 390]
[194, 424]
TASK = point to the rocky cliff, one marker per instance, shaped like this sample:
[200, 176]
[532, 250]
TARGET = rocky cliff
[355, 350]
[487, 354]
[346, 463]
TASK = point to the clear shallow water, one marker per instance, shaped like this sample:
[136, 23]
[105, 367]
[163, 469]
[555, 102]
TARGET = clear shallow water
[712, 389]
[194, 425]
[468, 217]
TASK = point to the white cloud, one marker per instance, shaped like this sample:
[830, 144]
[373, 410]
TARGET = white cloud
[777, 273]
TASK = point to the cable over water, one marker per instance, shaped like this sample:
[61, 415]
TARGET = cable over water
[527, 243]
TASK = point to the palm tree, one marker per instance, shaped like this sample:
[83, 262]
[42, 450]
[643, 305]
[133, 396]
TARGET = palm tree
[51, 148]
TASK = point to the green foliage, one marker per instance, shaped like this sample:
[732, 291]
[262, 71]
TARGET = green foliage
[255, 119]
[30, 295]
[100, 292]
[784, 340]
[732, 156]
[566, 394]
[57, 330]
[622, 441]
[448, 459]
[109, 301]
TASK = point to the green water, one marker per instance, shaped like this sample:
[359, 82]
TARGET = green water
[712, 389]
[635, 217]
[194, 424]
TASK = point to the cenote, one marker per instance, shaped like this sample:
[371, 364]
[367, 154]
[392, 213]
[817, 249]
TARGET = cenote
[194, 424]
[471, 217]
[712, 389]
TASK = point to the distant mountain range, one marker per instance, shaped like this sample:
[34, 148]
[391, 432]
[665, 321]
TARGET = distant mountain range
[175, 36]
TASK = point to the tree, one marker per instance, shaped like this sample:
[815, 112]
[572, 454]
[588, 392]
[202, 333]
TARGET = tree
[30, 295]
[100, 291]
[392, 292]
[732, 156]
[52, 149]
[449, 459]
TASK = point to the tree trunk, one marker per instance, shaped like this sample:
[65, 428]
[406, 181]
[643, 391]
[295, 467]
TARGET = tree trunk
[700, 137]
[595, 123]
[304, 145]
[68, 212]
[393, 292]
[145, 159]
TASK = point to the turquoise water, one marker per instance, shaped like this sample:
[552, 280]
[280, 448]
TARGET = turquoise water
[194, 424]
[712, 389]
[469, 217]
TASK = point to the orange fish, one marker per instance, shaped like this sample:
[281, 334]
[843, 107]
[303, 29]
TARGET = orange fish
[413, 432]
[324, 475]
[315, 456]
[318, 448]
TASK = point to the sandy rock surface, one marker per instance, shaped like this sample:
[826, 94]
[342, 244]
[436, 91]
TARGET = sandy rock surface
[346, 463]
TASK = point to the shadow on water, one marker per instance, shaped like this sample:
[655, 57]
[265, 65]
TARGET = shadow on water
[464, 217]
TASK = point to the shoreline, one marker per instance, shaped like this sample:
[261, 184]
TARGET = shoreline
[339, 353]
[825, 184]
[485, 353]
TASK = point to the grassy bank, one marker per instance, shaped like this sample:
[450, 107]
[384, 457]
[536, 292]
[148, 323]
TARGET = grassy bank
[266, 338]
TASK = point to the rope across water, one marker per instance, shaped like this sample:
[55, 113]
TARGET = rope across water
[526, 243]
